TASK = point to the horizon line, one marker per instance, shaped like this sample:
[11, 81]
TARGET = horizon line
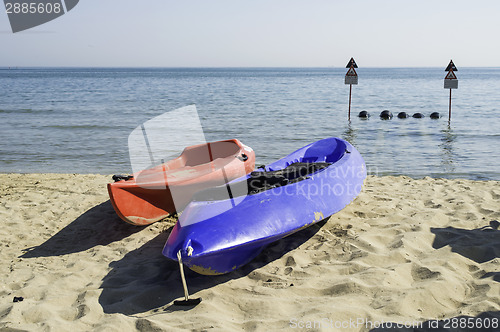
[234, 67]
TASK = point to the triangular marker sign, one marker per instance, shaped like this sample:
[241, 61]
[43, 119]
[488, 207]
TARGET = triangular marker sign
[451, 66]
[351, 72]
[352, 63]
[450, 76]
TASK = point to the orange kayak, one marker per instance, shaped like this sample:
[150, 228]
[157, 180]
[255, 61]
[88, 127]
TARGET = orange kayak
[155, 193]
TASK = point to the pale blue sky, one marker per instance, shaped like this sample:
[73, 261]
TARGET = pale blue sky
[261, 33]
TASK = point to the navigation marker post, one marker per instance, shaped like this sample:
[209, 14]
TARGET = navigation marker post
[351, 77]
[450, 82]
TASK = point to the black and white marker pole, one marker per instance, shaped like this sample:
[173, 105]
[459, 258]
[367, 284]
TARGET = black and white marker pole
[450, 82]
[351, 77]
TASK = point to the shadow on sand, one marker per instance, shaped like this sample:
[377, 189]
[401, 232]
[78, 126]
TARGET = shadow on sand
[145, 280]
[98, 226]
[480, 245]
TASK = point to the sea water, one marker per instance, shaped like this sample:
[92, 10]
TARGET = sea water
[77, 120]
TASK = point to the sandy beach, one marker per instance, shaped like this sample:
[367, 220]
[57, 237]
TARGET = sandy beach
[405, 251]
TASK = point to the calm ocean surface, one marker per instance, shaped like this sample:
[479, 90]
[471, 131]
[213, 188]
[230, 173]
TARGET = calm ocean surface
[77, 120]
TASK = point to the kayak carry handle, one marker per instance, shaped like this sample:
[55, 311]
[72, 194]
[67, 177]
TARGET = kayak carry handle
[187, 301]
[243, 157]
[119, 177]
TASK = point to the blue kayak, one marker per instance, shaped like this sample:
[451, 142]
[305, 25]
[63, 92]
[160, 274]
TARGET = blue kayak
[225, 227]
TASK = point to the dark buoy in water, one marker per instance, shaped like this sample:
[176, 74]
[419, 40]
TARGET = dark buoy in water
[364, 115]
[386, 115]
[403, 115]
[435, 115]
[418, 115]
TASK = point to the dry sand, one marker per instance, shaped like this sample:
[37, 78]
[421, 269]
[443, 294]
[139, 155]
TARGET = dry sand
[404, 251]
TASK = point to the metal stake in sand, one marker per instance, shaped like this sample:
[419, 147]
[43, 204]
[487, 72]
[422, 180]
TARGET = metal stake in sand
[351, 78]
[450, 82]
[187, 301]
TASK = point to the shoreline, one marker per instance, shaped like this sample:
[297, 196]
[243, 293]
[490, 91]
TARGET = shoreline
[406, 250]
[375, 175]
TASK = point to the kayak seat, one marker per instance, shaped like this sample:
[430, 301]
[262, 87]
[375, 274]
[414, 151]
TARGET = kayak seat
[203, 154]
[327, 151]
[261, 181]
[309, 159]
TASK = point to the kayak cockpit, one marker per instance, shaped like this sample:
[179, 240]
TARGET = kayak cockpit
[260, 181]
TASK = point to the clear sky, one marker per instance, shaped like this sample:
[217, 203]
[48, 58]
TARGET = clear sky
[261, 33]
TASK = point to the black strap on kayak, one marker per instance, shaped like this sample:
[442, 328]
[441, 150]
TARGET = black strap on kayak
[294, 170]
[261, 181]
